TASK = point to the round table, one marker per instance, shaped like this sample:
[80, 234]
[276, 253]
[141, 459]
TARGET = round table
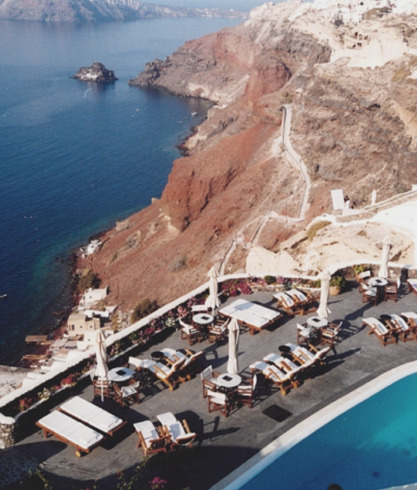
[317, 322]
[377, 281]
[203, 319]
[228, 381]
[120, 374]
[157, 355]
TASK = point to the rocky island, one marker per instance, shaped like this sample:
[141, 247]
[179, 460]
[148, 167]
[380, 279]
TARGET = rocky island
[97, 72]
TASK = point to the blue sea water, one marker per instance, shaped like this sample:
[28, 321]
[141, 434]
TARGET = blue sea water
[76, 157]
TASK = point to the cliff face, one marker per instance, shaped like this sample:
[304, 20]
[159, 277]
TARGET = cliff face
[99, 10]
[352, 125]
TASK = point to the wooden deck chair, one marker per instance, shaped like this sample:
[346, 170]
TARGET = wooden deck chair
[218, 401]
[179, 432]
[402, 327]
[303, 334]
[384, 334]
[287, 365]
[218, 332]
[170, 376]
[411, 318]
[207, 377]
[274, 375]
[149, 439]
[189, 333]
[369, 294]
[70, 431]
[127, 394]
[92, 415]
[102, 387]
[329, 334]
[246, 392]
[391, 292]
[285, 302]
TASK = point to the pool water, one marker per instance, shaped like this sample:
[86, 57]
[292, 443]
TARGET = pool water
[371, 446]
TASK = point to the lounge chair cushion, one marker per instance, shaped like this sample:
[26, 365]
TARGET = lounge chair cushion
[91, 414]
[148, 431]
[70, 429]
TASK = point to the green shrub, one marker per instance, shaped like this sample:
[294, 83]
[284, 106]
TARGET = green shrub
[88, 280]
[144, 308]
[314, 228]
[270, 279]
[338, 281]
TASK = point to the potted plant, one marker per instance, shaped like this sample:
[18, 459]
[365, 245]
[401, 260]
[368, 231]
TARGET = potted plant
[337, 284]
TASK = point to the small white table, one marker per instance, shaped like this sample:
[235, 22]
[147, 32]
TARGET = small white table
[228, 381]
[317, 322]
[120, 374]
[203, 319]
[377, 281]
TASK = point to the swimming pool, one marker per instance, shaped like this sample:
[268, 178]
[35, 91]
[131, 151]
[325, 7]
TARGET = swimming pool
[371, 443]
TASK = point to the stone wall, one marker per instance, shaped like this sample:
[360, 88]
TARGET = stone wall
[7, 431]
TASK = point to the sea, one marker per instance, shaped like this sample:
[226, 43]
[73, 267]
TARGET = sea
[76, 157]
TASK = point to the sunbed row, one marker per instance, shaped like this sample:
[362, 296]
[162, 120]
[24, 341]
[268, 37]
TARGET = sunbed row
[286, 370]
[80, 423]
[175, 366]
[295, 302]
[389, 328]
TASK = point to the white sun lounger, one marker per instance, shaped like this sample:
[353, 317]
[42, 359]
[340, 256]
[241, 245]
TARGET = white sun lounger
[70, 431]
[149, 439]
[179, 432]
[92, 415]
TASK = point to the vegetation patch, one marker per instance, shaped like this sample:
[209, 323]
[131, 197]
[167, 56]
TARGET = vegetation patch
[314, 228]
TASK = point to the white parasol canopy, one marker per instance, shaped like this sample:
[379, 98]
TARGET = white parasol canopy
[232, 363]
[383, 270]
[101, 370]
[323, 311]
[212, 300]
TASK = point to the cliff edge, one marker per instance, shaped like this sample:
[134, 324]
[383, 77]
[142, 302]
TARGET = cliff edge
[348, 75]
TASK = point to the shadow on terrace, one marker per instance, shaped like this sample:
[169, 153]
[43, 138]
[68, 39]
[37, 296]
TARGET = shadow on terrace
[222, 442]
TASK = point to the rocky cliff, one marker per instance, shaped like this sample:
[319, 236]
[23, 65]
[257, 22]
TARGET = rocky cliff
[348, 79]
[100, 10]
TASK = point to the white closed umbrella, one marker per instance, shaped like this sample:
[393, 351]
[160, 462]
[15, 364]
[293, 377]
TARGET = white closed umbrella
[232, 362]
[323, 311]
[383, 270]
[212, 300]
[101, 370]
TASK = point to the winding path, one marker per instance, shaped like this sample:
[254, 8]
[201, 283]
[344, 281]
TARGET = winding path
[296, 161]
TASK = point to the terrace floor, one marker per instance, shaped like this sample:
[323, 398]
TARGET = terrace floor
[223, 443]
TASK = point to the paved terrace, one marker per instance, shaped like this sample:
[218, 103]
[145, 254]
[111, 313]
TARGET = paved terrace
[223, 443]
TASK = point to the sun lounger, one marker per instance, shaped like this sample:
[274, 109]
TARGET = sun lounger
[92, 415]
[398, 323]
[168, 375]
[278, 377]
[70, 431]
[149, 439]
[412, 285]
[179, 432]
[288, 304]
[411, 318]
[384, 334]
[285, 364]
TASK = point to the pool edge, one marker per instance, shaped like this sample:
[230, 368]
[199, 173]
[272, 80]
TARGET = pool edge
[293, 436]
